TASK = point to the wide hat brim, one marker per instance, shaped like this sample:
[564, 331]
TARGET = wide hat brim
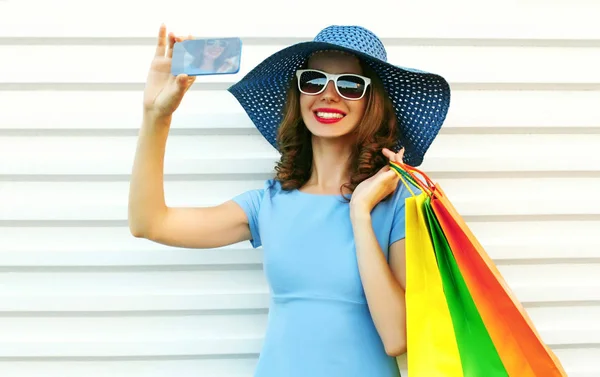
[420, 99]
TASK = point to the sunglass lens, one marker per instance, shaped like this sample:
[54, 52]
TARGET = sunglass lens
[220, 42]
[312, 82]
[351, 86]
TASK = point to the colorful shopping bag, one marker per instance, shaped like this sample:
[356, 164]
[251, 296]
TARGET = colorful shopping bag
[431, 340]
[520, 345]
[517, 342]
[478, 353]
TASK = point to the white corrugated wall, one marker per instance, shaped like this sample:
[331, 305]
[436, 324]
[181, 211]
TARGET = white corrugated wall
[79, 296]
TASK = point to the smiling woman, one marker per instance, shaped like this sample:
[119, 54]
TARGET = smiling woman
[331, 222]
[328, 105]
[356, 104]
[82, 297]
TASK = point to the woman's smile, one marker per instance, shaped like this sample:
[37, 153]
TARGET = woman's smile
[328, 116]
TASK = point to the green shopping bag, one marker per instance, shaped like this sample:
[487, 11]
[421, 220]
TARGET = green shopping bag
[478, 354]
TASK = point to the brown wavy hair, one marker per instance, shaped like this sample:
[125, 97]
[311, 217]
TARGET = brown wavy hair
[376, 130]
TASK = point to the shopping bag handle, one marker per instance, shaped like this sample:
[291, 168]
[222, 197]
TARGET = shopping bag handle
[408, 172]
[405, 176]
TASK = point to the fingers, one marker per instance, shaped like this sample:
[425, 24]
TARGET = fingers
[388, 153]
[400, 155]
[172, 40]
[391, 173]
[387, 173]
[184, 82]
[161, 44]
[396, 157]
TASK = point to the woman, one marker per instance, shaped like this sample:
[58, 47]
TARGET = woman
[331, 222]
[218, 55]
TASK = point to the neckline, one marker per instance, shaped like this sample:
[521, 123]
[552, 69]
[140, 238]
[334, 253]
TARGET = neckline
[309, 194]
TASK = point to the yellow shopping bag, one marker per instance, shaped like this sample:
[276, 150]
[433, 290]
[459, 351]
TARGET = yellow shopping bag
[495, 335]
[431, 341]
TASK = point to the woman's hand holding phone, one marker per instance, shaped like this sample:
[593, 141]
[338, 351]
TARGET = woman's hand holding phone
[163, 91]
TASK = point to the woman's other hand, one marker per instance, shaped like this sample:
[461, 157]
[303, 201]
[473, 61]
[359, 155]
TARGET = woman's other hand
[372, 190]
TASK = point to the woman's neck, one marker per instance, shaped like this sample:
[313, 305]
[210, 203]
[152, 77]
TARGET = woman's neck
[330, 171]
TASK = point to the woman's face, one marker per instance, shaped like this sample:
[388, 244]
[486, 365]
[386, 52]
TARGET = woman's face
[214, 48]
[327, 114]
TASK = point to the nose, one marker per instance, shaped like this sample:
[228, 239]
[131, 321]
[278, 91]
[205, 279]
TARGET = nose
[330, 94]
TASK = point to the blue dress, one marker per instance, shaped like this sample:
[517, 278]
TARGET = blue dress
[319, 324]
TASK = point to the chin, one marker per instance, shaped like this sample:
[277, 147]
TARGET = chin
[329, 131]
[332, 130]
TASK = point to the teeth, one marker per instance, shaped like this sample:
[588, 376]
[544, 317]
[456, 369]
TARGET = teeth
[330, 115]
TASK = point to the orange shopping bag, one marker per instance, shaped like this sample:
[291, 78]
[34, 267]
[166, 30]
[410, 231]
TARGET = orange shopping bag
[519, 345]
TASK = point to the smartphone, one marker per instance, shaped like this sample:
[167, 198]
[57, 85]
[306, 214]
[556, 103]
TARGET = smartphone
[207, 56]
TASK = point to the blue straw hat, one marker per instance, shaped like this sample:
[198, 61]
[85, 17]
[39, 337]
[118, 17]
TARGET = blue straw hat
[420, 99]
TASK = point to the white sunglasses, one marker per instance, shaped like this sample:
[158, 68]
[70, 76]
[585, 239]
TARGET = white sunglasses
[348, 85]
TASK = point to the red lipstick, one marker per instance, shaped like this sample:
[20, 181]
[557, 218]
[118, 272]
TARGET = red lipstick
[327, 120]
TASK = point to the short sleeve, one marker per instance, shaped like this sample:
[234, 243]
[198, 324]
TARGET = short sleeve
[250, 202]
[398, 231]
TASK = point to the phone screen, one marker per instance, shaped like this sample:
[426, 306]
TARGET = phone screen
[207, 56]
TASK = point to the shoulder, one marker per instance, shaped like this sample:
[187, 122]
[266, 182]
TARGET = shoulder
[272, 185]
[253, 196]
[269, 188]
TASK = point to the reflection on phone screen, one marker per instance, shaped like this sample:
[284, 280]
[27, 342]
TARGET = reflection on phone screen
[208, 56]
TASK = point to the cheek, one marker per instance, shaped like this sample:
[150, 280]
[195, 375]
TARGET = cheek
[358, 107]
[306, 103]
